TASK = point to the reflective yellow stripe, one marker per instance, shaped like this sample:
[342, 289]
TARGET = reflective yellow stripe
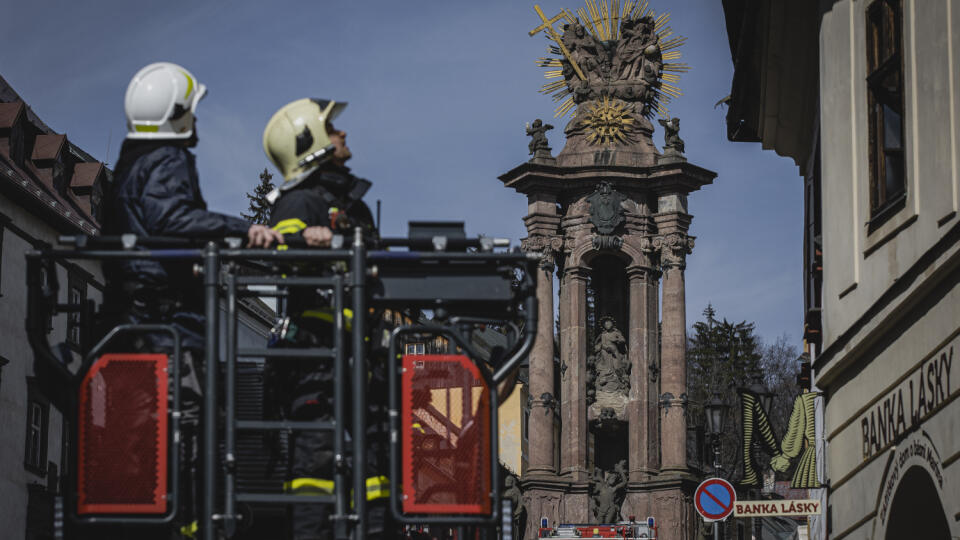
[418, 426]
[378, 487]
[292, 225]
[327, 315]
[140, 128]
[189, 84]
[189, 530]
[306, 486]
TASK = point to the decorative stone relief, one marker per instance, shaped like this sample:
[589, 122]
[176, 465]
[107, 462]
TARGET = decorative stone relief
[548, 246]
[673, 248]
[606, 212]
[607, 492]
[513, 494]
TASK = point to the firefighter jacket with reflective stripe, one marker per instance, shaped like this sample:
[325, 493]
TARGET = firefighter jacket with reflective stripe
[331, 197]
[378, 487]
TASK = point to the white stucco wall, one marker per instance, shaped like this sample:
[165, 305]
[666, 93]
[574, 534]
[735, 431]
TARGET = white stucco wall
[880, 319]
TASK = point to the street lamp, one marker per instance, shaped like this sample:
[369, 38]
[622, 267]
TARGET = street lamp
[765, 397]
[716, 411]
[761, 391]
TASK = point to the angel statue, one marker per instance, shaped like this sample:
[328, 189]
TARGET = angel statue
[539, 146]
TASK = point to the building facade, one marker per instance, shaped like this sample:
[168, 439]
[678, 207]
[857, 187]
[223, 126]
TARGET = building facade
[50, 187]
[864, 96]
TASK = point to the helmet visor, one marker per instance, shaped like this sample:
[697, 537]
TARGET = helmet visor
[329, 109]
[197, 96]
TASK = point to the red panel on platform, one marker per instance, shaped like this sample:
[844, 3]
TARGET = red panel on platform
[122, 428]
[445, 422]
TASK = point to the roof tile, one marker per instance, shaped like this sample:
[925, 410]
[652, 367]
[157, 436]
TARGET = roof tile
[48, 146]
[9, 113]
[85, 174]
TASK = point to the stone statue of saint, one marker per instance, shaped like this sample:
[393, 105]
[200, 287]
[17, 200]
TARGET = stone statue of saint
[610, 353]
[539, 146]
[672, 143]
[608, 494]
[515, 496]
[636, 36]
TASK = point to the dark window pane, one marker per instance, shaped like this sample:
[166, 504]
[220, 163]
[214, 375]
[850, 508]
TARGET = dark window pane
[892, 129]
[885, 102]
[894, 181]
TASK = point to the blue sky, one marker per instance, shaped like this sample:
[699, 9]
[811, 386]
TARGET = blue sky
[439, 93]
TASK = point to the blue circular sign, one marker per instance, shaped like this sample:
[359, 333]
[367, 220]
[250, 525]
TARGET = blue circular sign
[714, 498]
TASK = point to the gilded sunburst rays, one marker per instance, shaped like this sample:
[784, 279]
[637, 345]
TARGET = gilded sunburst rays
[607, 121]
[603, 18]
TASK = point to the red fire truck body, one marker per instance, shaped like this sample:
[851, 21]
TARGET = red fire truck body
[627, 530]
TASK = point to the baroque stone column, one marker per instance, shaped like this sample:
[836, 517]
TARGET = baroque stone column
[674, 245]
[542, 401]
[573, 369]
[643, 440]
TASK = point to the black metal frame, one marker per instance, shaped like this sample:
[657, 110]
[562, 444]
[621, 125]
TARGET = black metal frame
[363, 269]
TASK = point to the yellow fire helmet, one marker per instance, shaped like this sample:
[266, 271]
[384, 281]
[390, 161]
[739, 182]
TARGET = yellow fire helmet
[296, 139]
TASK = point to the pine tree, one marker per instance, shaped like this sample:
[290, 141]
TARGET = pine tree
[723, 356]
[259, 207]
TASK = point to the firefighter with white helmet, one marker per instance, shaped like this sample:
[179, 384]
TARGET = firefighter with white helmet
[318, 198]
[156, 192]
[161, 102]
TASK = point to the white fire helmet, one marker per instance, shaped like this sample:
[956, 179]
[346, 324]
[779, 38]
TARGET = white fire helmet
[161, 101]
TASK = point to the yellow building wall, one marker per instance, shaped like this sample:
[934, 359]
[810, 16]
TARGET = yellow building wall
[512, 455]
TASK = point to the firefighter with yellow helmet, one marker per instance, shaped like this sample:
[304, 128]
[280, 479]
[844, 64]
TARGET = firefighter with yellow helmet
[319, 198]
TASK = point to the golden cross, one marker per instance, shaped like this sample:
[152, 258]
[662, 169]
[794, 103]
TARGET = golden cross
[548, 26]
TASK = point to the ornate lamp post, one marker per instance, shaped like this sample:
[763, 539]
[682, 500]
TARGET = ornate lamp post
[759, 389]
[765, 397]
[716, 411]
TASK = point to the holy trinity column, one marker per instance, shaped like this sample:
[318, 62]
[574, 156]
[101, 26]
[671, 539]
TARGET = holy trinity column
[609, 217]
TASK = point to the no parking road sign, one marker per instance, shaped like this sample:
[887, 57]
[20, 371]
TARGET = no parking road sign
[714, 499]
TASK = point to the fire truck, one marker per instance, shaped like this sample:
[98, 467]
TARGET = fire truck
[125, 435]
[629, 530]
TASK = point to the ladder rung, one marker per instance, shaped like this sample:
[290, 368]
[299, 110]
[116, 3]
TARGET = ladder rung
[291, 280]
[319, 352]
[284, 425]
[284, 498]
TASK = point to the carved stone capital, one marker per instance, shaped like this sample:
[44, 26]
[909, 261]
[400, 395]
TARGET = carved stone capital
[547, 246]
[674, 248]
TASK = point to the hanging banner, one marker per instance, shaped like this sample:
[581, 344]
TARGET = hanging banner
[788, 507]
[797, 446]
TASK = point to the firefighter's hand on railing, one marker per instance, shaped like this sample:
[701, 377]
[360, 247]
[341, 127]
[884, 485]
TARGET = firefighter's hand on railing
[262, 236]
[317, 236]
